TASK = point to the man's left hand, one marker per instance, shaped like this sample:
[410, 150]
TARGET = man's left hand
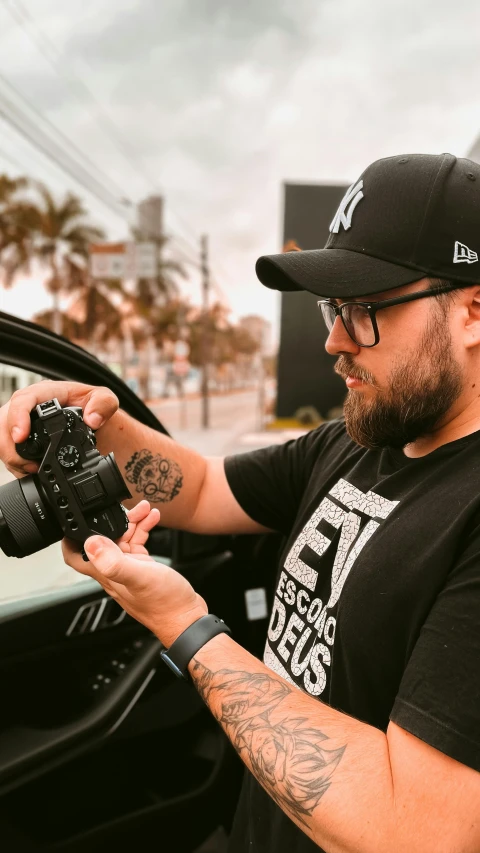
[153, 593]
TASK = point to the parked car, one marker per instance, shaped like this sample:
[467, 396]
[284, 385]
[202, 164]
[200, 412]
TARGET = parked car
[101, 747]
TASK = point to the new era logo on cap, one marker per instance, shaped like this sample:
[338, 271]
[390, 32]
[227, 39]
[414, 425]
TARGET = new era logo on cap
[463, 254]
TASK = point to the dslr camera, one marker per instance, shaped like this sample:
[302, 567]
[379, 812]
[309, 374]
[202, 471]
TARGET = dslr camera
[75, 493]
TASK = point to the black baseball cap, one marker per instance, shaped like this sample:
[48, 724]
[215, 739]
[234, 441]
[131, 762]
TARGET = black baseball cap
[406, 217]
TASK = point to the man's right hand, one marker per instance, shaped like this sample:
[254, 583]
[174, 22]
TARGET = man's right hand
[98, 404]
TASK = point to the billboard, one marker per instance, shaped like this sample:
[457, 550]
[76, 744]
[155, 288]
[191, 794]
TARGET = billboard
[305, 371]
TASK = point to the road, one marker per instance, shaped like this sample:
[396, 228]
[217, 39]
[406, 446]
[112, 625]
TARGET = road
[231, 416]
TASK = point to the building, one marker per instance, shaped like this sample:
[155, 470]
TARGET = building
[305, 371]
[150, 217]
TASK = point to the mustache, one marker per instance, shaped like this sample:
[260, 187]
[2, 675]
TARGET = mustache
[345, 366]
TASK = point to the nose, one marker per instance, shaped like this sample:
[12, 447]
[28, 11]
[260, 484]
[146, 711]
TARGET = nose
[339, 340]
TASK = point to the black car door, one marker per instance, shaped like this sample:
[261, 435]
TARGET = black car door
[101, 747]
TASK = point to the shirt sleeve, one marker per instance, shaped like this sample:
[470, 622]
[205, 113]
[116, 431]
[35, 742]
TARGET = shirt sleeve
[269, 483]
[439, 696]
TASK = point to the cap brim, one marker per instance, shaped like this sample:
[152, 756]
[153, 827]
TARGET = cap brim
[335, 273]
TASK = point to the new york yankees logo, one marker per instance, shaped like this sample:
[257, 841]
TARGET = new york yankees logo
[350, 200]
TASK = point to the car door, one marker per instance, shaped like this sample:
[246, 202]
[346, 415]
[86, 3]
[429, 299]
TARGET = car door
[101, 747]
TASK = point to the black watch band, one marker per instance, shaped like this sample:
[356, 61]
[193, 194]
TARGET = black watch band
[180, 653]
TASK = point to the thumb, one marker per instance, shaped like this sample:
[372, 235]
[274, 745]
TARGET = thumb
[107, 557]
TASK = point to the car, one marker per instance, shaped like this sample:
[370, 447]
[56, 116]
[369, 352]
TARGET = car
[101, 747]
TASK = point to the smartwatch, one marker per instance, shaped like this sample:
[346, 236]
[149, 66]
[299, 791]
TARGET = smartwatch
[180, 653]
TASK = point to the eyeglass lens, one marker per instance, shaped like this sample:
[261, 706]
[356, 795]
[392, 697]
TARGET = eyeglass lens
[356, 319]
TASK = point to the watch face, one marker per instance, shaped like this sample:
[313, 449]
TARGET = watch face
[173, 666]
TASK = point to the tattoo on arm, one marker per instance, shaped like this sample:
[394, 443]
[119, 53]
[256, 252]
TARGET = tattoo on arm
[158, 479]
[286, 756]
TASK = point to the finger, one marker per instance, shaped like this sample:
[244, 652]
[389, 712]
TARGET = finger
[94, 400]
[112, 564]
[142, 530]
[73, 557]
[23, 401]
[100, 405]
[135, 515]
[28, 468]
[138, 552]
[139, 511]
[137, 534]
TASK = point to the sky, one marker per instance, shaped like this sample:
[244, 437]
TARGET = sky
[216, 103]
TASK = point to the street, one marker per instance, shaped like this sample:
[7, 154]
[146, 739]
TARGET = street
[231, 416]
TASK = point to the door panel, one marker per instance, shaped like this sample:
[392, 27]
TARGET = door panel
[100, 745]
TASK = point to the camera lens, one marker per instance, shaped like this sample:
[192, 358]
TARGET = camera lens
[26, 523]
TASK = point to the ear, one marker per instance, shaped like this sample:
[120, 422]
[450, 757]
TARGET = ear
[472, 323]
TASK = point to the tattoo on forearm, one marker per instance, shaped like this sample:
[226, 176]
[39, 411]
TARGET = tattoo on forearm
[286, 756]
[157, 478]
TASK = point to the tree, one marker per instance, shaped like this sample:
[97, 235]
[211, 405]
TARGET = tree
[17, 221]
[69, 327]
[225, 341]
[61, 237]
[153, 300]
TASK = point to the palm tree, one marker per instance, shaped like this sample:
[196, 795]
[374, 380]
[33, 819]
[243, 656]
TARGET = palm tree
[60, 242]
[17, 220]
[153, 296]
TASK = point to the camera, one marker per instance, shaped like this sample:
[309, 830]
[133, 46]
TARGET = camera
[75, 493]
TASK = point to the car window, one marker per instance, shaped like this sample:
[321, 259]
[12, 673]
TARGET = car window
[42, 572]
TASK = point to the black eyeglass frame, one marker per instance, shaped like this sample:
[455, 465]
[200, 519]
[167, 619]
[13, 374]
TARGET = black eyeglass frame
[373, 307]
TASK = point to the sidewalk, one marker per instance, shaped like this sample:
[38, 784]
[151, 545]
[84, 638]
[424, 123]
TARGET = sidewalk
[213, 442]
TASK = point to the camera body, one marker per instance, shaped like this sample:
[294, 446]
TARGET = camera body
[75, 493]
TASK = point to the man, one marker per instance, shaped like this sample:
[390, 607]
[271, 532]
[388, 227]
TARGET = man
[361, 727]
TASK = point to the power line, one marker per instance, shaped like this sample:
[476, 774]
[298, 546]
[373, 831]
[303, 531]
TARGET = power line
[54, 153]
[11, 159]
[31, 157]
[27, 23]
[181, 252]
[51, 54]
[81, 156]
[30, 26]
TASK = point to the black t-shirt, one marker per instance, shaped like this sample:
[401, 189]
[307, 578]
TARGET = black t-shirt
[377, 605]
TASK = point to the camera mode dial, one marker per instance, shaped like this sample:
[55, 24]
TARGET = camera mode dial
[68, 456]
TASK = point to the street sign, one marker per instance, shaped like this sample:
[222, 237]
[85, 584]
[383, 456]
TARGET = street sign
[146, 260]
[123, 260]
[107, 260]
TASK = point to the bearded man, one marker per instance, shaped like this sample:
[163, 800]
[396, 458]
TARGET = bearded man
[360, 729]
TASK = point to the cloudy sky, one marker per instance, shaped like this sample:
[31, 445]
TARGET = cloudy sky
[216, 102]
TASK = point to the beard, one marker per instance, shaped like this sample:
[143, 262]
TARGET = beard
[420, 392]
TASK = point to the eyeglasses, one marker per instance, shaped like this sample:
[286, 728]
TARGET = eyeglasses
[359, 319]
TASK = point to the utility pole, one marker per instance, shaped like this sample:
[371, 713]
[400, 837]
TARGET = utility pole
[204, 347]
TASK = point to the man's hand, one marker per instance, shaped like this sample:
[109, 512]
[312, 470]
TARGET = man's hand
[154, 594]
[98, 404]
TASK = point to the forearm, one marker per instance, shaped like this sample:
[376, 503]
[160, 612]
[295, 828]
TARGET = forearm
[328, 772]
[155, 468]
